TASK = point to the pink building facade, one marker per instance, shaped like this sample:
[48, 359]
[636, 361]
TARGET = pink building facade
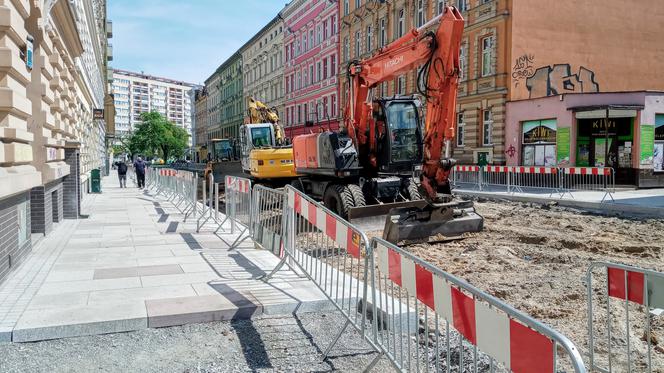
[572, 130]
[311, 52]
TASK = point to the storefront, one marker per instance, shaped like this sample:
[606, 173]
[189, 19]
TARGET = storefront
[605, 138]
[624, 131]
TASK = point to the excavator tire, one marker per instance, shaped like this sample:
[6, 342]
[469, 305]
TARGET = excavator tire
[339, 199]
[358, 195]
[297, 184]
[413, 192]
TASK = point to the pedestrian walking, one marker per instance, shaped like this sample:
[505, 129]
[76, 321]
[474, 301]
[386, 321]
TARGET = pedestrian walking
[139, 169]
[122, 173]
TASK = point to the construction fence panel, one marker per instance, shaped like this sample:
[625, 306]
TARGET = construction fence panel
[467, 177]
[458, 327]
[622, 304]
[333, 254]
[210, 206]
[178, 187]
[598, 179]
[268, 218]
[534, 180]
[495, 178]
[237, 199]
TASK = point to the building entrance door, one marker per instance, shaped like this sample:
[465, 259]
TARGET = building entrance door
[603, 143]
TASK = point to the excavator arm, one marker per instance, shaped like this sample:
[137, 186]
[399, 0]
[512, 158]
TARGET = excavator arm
[260, 113]
[437, 53]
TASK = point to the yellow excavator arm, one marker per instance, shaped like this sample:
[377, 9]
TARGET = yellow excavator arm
[260, 113]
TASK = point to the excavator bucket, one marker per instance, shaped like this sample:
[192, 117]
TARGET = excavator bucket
[449, 219]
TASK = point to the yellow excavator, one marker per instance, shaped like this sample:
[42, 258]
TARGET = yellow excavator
[266, 154]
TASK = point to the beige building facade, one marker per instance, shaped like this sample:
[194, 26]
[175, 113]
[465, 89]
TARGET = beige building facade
[263, 69]
[53, 80]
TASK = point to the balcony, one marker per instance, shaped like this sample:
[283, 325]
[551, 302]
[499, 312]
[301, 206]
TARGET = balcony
[109, 29]
[109, 52]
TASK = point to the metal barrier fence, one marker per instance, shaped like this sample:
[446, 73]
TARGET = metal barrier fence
[210, 208]
[489, 335]
[178, 187]
[533, 179]
[637, 289]
[589, 179]
[469, 176]
[334, 255]
[494, 176]
[237, 198]
[421, 318]
[268, 218]
[552, 180]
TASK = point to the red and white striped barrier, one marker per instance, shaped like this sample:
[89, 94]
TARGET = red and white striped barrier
[497, 169]
[534, 170]
[629, 285]
[330, 225]
[238, 184]
[596, 171]
[466, 168]
[508, 337]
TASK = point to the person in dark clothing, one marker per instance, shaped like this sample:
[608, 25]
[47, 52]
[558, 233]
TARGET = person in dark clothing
[122, 173]
[139, 168]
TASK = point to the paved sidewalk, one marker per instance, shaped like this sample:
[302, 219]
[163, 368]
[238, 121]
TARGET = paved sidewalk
[646, 202]
[133, 264]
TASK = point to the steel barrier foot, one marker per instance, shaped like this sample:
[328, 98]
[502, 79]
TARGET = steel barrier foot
[335, 340]
[276, 269]
[610, 195]
[239, 240]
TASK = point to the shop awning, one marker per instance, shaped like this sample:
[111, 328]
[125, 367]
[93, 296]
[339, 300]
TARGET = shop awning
[599, 111]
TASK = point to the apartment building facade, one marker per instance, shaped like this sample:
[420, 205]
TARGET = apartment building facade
[311, 52]
[137, 93]
[263, 65]
[226, 101]
[54, 80]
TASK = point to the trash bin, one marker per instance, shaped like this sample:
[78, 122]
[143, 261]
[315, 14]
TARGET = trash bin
[95, 181]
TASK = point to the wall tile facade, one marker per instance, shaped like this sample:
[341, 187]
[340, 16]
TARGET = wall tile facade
[15, 240]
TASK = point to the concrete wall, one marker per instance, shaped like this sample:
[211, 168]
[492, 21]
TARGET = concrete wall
[568, 46]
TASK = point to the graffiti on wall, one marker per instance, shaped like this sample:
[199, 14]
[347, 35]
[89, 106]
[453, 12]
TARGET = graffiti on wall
[558, 79]
[524, 68]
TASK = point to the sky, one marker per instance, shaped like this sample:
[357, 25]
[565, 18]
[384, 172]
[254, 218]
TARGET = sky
[183, 40]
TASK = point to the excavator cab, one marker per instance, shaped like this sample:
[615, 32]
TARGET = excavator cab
[398, 135]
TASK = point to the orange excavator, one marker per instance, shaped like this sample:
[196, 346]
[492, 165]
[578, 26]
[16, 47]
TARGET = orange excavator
[383, 158]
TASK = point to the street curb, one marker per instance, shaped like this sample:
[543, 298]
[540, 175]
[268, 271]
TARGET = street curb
[607, 208]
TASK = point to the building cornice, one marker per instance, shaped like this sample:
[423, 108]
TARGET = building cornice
[65, 22]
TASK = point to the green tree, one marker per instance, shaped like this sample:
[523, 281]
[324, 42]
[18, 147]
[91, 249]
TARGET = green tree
[156, 136]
